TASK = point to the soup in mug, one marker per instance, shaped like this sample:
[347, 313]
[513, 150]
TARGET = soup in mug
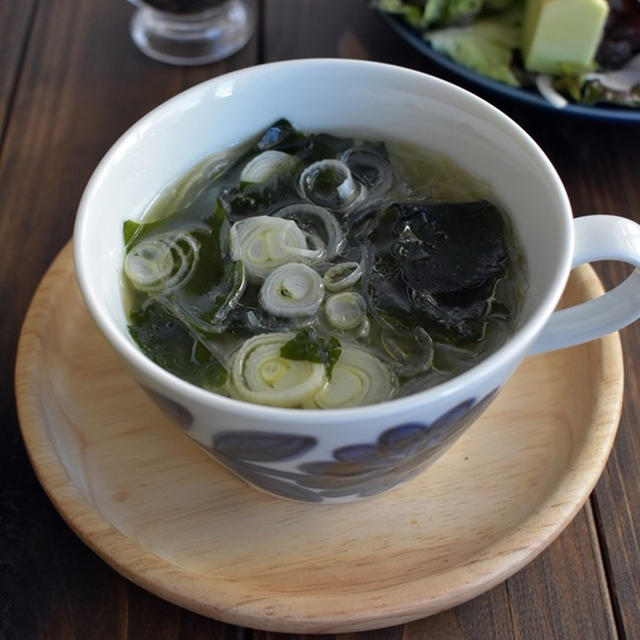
[322, 271]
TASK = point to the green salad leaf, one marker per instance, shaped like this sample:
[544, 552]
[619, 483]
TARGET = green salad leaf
[453, 12]
[412, 13]
[485, 46]
[617, 86]
[595, 91]
[421, 14]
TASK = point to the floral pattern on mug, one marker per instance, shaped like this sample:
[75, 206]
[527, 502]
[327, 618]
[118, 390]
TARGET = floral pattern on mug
[179, 414]
[360, 470]
[240, 450]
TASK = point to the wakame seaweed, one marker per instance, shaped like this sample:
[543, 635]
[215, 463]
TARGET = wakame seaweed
[308, 345]
[434, 280]
[447, 247]
[449, 258]
[171, 345]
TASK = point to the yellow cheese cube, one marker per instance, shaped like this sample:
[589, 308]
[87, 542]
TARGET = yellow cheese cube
[560, 35]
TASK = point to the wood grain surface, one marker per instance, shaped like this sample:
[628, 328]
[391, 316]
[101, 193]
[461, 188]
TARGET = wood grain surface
[70, 83]
[15, 23]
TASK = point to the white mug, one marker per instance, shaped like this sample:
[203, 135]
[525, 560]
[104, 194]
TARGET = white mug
[339, 455]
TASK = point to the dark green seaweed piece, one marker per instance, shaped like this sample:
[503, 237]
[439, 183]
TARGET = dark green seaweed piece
[169, 344]
[387, 292]
[384, 289]
[450, 246]
[205, 302]
[280, 134]
[245, 201]
[283, 136]
[461, 314]
[324, 145]
[252, 199]
[133, 232]
[213, 262]
[437, 265]
[241, 200]
[308, 345]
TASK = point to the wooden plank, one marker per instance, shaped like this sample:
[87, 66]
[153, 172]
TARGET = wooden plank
[153, 618]
[544, 598]
[389, 633]
[82, 83]
[15, 20]
[332, 28]
[617, 499]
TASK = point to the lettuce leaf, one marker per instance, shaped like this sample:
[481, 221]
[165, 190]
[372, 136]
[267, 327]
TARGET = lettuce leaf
[413, 13]
[423, 14]
[616, 86]
[486, 46]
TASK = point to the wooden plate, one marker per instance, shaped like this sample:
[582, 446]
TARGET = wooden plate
[162, 513]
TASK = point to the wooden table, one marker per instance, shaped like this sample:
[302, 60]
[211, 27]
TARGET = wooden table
[71, 82]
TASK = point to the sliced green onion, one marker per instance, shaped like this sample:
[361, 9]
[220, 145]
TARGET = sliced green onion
[413, 350]
[149, 264]
[365, 327]
[342, 276]
[266, 164]
[260, 374]
[163, 263]
[369, 168]
[358, 378]
[330, 184]
[345, 310]
[292, 290]
[263, 243]
[323, 227]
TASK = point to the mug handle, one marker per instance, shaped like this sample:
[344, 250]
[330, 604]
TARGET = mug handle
[598, 237]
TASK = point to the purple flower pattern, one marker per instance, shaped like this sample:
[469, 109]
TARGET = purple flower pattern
[357, 470]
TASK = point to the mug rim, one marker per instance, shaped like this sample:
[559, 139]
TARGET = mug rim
[514, 348]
